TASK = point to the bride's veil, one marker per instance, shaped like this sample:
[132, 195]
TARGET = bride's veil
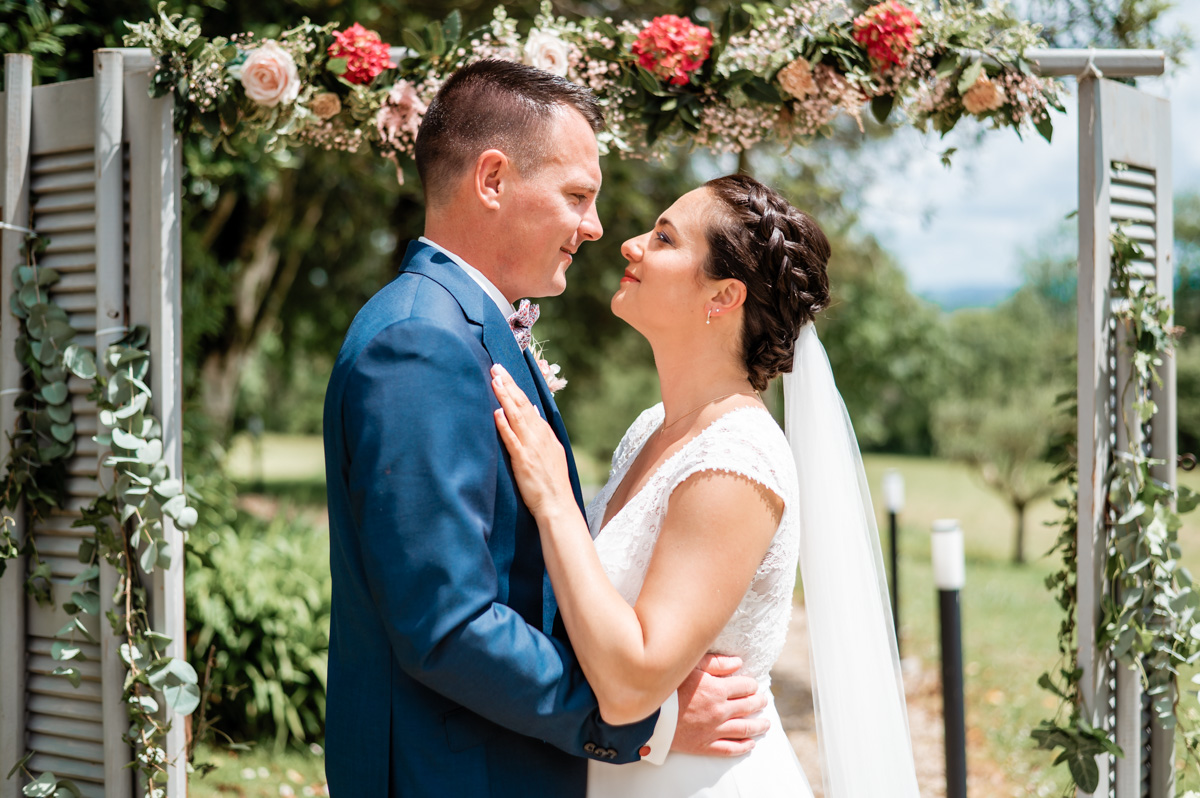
[862, 723]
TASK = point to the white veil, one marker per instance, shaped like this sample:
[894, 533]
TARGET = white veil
[858, 694]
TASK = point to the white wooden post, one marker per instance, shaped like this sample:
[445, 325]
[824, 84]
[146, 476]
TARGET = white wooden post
[110, 317]
[1124, 176]
[14, 209]
[155, 265]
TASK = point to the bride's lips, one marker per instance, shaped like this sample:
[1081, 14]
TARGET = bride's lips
[629, 278]
[570, 255]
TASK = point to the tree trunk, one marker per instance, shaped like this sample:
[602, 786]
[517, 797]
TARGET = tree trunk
[1019, 549]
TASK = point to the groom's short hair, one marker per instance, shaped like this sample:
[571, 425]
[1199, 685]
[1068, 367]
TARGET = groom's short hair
[494, 104]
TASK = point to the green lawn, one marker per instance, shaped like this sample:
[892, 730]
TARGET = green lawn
[1009, 619]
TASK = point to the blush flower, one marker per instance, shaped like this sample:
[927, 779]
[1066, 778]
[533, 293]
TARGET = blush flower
[326, 105]
[400, 114]
[546, 51]
[365, 53]
[269, 75]
[550, 372]
[984, 96]
[797, 79]
[672, 47]
[888, 31]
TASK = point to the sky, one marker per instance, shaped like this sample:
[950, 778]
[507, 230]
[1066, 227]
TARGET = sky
[970, 225]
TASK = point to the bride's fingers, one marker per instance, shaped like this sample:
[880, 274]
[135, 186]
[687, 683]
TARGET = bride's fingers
[507, 436]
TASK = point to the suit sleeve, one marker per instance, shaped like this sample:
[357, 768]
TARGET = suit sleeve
[423, 455]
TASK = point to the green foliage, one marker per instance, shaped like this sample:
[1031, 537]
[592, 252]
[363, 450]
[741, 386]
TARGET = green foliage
[1149, 620]
[258, 605]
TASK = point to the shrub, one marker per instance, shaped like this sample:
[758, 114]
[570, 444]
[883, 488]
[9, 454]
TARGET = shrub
[259, 598]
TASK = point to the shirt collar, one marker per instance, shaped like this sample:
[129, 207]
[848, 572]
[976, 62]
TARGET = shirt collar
[488, 288]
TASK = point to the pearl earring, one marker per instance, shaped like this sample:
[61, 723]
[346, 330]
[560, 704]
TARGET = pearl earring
[708, 319]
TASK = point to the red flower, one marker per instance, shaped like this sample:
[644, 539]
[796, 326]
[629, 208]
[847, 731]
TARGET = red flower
[365, 53]
[672, 47]
[888, 31]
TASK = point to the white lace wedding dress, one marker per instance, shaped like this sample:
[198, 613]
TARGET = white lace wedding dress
[745, 441]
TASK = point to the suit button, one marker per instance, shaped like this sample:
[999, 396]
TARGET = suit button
[590, 748]
[611, 754]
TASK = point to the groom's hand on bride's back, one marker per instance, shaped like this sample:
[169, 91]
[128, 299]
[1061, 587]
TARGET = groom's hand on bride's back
[714, 710]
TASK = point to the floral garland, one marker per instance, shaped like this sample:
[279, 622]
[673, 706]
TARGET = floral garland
[1151, 622]
[787, 73]
[127, 516]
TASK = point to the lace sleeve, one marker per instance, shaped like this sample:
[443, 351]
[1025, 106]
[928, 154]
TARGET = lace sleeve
[636, 435]
[746, 442]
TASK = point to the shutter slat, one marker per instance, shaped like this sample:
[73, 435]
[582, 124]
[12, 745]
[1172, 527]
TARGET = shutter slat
[64, 568]
[72, 242]
[83, 322]
[55, 182]
[83, 199]
[67, 747]
[89, 670]
[66, 727]
[59, 686]
[49, 224]
[1133, 176]
[75, 283]
[69, 261]
[63, 766]
[74, 303]
[1137, 232]
[44, 645]
[44, 621]
[77, 161]
[1132, 213]
[65, 708]
[1132, 195]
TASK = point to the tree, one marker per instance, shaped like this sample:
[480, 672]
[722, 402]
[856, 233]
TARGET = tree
[1006, 367]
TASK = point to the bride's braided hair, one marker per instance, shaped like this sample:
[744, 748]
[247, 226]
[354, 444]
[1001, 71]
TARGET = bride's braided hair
[780, 254]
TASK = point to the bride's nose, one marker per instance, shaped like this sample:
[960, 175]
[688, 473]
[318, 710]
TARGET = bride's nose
[632, 249]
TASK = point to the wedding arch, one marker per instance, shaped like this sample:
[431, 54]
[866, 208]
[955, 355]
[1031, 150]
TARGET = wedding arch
[91, 601]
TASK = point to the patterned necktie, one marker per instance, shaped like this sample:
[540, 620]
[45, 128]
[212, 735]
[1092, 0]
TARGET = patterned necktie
[522, 321]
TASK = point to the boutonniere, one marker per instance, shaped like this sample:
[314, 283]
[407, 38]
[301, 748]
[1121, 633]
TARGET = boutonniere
[549, 370]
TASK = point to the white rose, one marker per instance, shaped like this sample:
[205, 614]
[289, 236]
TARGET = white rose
[269, 75]
[546, 51]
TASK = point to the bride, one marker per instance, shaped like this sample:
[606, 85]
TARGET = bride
[709, 507]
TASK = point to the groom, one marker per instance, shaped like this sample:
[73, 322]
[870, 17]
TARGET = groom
[450, 673]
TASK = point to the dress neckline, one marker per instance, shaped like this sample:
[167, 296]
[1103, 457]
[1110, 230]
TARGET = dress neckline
[617, 480]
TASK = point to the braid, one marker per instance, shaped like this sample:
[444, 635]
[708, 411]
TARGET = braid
[780, 254]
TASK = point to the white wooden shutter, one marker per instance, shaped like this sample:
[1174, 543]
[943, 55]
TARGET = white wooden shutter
[1124, 177]
[96, 162]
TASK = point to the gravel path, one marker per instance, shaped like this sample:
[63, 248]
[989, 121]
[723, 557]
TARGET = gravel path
[791, 683]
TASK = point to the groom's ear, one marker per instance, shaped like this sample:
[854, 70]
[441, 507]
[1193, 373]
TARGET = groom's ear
[491, 177]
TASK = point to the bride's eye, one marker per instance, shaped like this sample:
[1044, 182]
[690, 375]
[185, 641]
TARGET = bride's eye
[661, 236]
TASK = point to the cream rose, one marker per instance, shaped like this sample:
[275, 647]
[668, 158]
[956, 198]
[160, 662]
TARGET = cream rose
[269, 75]
[546, 51]
[326, 105]
[797, 79]
[984, 96]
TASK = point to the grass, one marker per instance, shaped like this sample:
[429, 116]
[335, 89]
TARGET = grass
[259, 773]
[1009, 619]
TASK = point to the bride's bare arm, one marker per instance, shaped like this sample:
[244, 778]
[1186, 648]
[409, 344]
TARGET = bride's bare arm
[717, 528]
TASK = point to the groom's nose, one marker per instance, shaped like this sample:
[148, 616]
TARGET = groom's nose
[589, 227]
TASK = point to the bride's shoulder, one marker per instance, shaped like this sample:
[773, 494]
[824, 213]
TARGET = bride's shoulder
[636, 435]
[749, 441]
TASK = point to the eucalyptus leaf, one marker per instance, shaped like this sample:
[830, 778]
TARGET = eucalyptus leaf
[87, 601]
[63, 433]
[187, 518]
[149, 557]
[41, 787]
[72, 674]
[64, 650]
[80, 361]
[151, 452]
[60, 414]
[168, 489]
[89, 574]
[969, 76]
[55, 393]
[174, 505]
[126, 440]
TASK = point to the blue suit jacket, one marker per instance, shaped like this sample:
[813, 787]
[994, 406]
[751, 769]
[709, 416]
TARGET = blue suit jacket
[447, 673]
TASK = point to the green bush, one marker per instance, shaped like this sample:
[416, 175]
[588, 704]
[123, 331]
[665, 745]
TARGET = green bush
[259, 598]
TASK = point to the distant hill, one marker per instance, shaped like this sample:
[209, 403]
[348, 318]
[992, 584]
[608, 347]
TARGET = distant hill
[957, 297]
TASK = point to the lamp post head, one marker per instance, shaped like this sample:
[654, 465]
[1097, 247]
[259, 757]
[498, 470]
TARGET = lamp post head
[893, 490]
[949, 565]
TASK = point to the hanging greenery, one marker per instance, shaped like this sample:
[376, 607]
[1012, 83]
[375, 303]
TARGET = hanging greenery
[127, 516]
[784, 73]
[1149, 623]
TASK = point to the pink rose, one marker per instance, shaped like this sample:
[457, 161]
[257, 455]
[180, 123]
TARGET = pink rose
[269, 75]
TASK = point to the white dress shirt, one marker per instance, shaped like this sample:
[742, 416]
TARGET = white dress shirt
[668, 716]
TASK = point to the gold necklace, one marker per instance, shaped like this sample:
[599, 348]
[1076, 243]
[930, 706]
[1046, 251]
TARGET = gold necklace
[662, 429]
